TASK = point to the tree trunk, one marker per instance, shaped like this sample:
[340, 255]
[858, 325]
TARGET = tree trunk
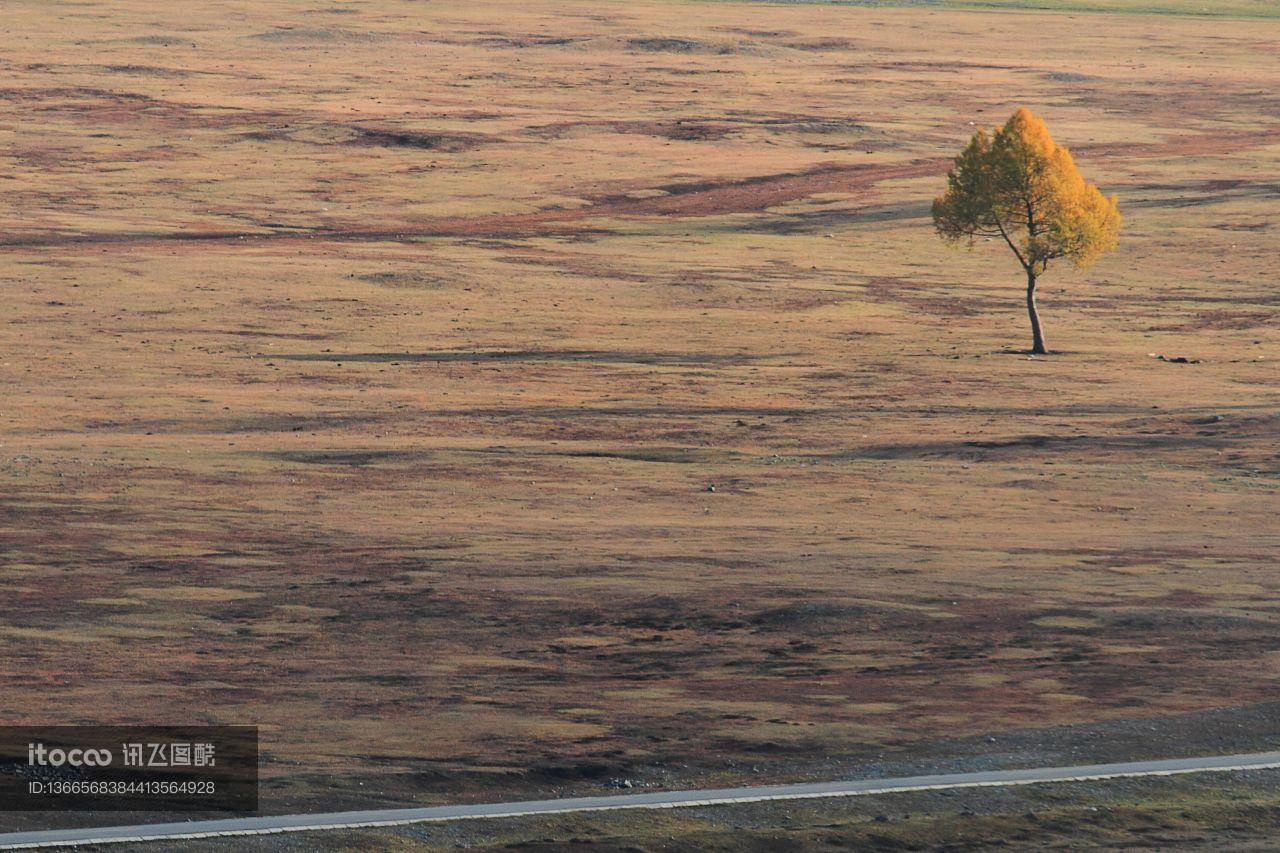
[1037, 338]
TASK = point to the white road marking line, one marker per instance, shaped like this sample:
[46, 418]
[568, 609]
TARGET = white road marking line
[665, 800]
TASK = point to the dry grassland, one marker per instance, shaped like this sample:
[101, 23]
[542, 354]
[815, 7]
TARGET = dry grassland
[496, 396]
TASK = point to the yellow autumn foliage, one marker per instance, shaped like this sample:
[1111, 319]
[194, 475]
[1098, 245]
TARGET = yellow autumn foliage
[1018, 184]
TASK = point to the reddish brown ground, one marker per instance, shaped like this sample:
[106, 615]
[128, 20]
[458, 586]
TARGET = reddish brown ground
[367, 371]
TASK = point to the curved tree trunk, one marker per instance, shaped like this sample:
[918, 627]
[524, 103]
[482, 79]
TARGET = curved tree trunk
[1037, 338]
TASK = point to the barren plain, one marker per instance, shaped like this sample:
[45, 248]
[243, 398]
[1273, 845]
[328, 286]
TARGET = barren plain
[492, 398]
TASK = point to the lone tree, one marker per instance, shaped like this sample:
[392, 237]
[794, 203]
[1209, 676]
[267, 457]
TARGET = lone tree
[1020, 186]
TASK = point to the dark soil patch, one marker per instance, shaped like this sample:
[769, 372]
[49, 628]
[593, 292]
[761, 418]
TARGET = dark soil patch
[659, 44]
[409, 139]
[671, 455]
[404, 278]
[356, 458]
[313, 35]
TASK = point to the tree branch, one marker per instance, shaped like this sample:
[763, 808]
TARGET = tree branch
[1016, 253]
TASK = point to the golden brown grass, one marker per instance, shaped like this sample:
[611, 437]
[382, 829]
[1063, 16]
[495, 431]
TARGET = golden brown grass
[402, 343]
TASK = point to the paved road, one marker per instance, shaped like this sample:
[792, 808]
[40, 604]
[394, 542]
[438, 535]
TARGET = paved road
[660, 800]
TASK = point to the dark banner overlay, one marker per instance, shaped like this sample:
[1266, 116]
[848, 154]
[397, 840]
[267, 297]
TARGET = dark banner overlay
[129, 768]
